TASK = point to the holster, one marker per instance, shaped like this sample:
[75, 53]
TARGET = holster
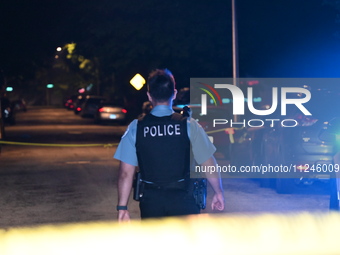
[200, 192]
[137, 187]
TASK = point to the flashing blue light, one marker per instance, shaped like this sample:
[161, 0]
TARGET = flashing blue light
[180, 105]
[183, 105]
[228, 100]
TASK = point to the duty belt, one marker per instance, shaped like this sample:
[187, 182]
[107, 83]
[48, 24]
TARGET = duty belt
[176, 185]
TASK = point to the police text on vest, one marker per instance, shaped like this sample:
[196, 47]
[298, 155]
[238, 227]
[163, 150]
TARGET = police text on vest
[162, 130]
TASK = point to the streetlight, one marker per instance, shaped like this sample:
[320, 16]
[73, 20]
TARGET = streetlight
[48, 93]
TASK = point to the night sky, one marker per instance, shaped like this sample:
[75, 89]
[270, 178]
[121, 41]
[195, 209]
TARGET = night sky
[288, 39]
[281, 38]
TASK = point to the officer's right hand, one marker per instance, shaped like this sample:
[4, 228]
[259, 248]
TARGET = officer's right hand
[123, 216]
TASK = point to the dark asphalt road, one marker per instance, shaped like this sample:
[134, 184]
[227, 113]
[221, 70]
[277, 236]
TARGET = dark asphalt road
[61, 184]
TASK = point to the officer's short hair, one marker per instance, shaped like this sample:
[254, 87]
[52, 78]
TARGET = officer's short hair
[161, 85]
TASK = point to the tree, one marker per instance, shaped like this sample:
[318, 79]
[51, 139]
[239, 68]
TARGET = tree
[119, 38]
[188, 37]
[74, 70]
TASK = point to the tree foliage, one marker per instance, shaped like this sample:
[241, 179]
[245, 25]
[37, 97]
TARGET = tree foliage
[191, 38]
[116, 39]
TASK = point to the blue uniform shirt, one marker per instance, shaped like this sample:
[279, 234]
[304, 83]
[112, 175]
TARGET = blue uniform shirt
[202, 148]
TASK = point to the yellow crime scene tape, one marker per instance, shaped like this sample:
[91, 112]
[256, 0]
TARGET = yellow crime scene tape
[59, 145]
[229, 131]
[259, 234]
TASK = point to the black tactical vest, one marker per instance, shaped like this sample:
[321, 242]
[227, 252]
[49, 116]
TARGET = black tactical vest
[163, 148]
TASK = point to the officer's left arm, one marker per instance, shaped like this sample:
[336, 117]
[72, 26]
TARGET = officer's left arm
[214, 179]
[202, 147]
[125, 180]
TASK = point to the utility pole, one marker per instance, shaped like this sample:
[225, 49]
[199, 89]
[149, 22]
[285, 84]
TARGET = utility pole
[235, 47]
[2, 124]
[2, 127]
[235, 43]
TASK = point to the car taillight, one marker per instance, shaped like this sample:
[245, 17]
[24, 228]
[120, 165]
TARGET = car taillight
[124, 111]
[305, 121]
[101, 109]
[78, 109]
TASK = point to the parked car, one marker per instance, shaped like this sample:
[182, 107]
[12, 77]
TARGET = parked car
[303, 149]
[77, 104]
[69, 103]
[332, 133]
[110, 112]
[89, 107]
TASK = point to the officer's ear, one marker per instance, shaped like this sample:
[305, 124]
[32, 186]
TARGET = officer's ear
[149, 97]
[175, 94]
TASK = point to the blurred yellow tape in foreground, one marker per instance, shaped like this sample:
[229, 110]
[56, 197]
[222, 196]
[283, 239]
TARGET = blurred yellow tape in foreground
[204, 234]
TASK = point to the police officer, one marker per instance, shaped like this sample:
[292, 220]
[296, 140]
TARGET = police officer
[160, 143]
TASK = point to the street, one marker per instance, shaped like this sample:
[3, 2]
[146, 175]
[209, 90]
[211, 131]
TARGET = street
[61, 170]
